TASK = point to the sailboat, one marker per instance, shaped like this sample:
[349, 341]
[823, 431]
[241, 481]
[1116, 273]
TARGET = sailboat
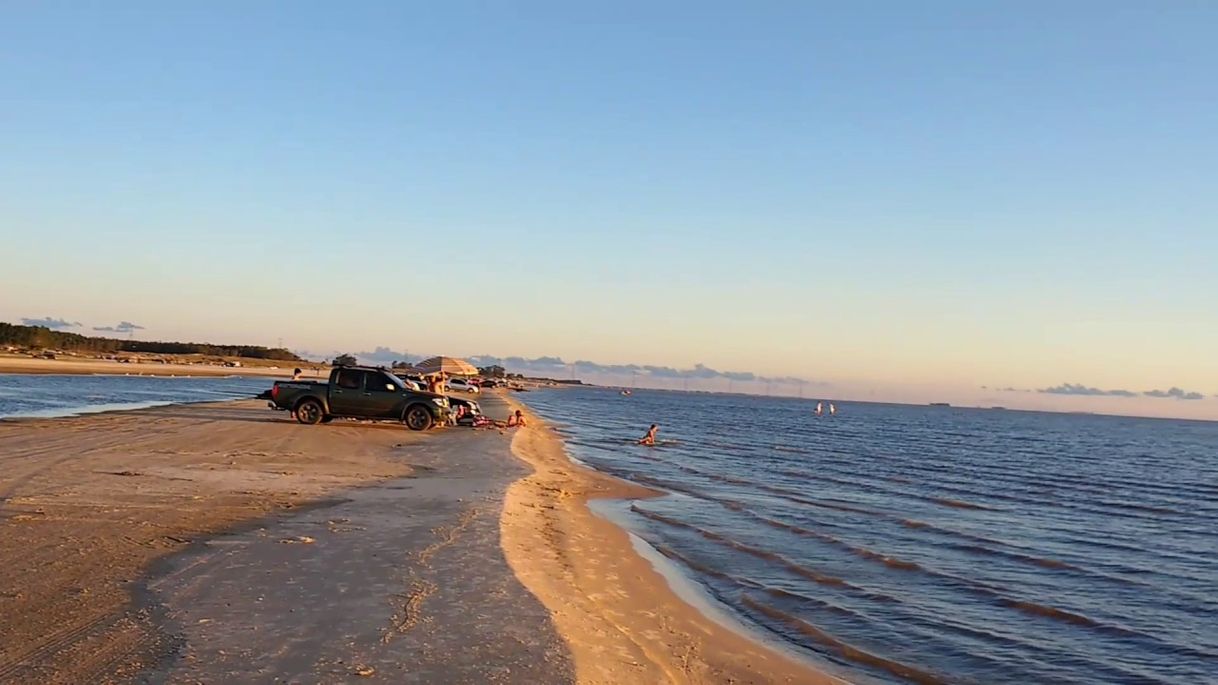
[832, 410]
[820, 408]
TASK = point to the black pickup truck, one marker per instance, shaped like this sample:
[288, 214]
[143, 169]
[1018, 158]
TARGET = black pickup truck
[361, 392]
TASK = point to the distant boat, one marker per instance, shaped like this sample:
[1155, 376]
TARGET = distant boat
[940, 404]
[626, 393]
[820, 408]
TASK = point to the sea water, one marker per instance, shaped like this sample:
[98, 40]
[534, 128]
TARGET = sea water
[67, 395]
[929, 544]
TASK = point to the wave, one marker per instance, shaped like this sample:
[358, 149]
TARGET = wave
[960, 504]
[785, 493]
[763, 554]
[981, 548]
[1051, 612]
[818, 603]
[701, 569]
[843, 649]
[871, 555]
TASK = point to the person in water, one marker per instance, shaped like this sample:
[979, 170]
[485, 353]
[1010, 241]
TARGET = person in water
[650, 438]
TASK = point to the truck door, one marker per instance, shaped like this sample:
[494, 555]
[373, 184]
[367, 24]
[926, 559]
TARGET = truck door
[346, 392]
[382, 396]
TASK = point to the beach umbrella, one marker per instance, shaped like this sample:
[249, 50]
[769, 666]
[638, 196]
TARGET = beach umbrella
[449, 365]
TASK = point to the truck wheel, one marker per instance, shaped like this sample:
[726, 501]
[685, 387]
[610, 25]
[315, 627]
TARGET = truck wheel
[309, 412]
[417, 418]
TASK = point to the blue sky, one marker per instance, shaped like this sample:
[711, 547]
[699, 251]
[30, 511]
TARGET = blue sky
[903, 199]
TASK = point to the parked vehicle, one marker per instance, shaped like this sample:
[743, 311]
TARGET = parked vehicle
[471, 409]
[360, 392]
[462, 385]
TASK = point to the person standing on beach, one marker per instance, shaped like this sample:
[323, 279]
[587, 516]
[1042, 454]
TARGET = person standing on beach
[295, 376]
[650, 438]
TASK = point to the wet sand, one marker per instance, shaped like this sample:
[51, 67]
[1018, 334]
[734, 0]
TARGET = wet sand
[401, 581]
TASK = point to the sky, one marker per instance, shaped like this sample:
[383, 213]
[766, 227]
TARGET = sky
[893, 201]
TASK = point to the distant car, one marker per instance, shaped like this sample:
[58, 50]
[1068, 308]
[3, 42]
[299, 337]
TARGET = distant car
[472, 410]
[462, 385]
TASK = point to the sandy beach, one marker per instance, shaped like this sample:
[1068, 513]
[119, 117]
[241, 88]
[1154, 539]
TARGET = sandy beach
[225, 543]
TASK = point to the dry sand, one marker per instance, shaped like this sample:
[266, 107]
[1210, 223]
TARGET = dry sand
[87, 504]
[619, 616]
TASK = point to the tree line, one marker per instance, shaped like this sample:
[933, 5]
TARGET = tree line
[41, 337]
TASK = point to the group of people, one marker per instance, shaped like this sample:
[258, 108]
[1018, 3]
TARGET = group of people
[514, 420]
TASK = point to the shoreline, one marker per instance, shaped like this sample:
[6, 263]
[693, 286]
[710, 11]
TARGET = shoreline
[619, 614]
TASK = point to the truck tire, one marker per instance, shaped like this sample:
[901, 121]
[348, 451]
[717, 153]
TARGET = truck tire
[417, 418]
[309, 412]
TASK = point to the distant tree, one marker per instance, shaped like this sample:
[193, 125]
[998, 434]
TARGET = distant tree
[345, 360]
[401, 365]
[42, 337]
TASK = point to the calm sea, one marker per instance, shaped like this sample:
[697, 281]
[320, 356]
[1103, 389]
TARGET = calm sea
[49, 395]
[930, 544]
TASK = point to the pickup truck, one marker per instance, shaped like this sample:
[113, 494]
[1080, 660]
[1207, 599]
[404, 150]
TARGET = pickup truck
[360, 392]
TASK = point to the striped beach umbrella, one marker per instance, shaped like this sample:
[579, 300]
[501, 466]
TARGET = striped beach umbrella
[449, 365]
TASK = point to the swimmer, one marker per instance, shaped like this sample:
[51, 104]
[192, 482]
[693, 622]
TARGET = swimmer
[650, 438]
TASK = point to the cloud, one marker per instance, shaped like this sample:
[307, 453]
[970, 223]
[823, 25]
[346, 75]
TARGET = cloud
[1080, 389]
[556, 366]
[385, 355]
[122, 327]
[54, 324]
[1175, 393]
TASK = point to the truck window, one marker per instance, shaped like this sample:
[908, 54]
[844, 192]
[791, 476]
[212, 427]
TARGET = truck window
[378, 382]
[349, 379]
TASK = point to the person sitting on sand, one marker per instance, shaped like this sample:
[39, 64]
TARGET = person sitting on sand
[650, 438]
[516, 420]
